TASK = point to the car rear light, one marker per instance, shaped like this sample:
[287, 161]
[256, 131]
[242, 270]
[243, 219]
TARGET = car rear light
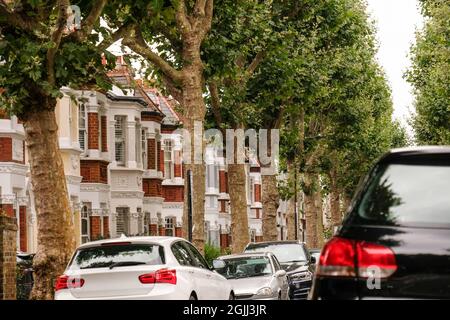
[160, 276]
[350, 258]
[65, 282]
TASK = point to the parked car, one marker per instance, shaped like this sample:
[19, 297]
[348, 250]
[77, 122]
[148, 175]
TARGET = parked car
[315, 253]
[394, 242]
[295, 260]
[25, 278]
[138, 268]
[254, 276]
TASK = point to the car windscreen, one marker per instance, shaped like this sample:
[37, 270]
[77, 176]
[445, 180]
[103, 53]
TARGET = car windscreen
[285, 253]
[105, 256]
[407, 195]
[246, 267]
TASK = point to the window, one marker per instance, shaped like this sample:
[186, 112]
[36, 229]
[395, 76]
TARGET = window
[119, 130]
[144, 148]
[182, 255]
[82, 132]
[122, 222]
[125, 254]
[168, 159]
[85, 228]
[170, 226]
[199, 260]
[140, 221]
[138, 143]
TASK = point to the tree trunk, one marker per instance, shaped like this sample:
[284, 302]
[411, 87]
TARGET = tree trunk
[313, 211]
[238, 204]
[290, 214]
[270, 202]
[335, 201]
[54, 219]
[194, 114]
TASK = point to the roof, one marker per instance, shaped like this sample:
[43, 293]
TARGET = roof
[431, 152]
[153, 239]
[242, 255]
[274, 243]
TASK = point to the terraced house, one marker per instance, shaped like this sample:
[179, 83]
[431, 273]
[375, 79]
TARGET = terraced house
[122, 154]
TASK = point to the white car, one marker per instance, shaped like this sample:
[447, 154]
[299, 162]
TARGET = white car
[153, 268]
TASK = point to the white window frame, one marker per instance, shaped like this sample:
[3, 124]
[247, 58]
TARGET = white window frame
[144, 147]
[85, 216]
[82, 127]
[122, 139]
[170, 224]
[168, 163]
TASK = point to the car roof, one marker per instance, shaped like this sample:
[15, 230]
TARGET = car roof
[243, 255]
[411, 152]
[154, 239]
[268, 243]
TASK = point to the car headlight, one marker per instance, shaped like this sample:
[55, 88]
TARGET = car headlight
[265, 292]
[302, 276]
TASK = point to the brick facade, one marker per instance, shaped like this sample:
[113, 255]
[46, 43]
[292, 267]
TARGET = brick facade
[96, 227]
[179, 232]
[162, 231]
[104, 126]
[93, 131]
[160, 157]
[257, 193]
[223, 181]
[151, 154]
[153, 230]
[106, 227]
[152, 187]
[8, 209]
[177, 167]
[23, 228]
[8, 234]
[5, 149]
[94, 171]
[173, 193]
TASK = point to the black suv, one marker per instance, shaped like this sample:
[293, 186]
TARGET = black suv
[294, 257]
[395, 241]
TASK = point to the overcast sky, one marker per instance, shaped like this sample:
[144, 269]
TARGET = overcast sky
[397, 22]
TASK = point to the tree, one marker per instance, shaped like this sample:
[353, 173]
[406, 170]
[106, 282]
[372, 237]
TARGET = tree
[168, 35]
[38, 56]
[429, 75]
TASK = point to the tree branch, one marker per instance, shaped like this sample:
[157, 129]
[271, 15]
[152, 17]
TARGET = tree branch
[256, 62]
[92, 18]
[116, 36]
[199, 9]
[181, 17]
[56, 39]
[136, 42]
[174, 91]
[215, 102]
[11, 19]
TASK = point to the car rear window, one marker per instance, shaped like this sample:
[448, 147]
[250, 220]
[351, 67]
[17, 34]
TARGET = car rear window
[121, 255]
[402, 195]
[285, 253]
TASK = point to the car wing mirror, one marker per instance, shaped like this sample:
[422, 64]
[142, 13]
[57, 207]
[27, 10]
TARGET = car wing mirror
[280, 273]
[218, 264]
[313, 260]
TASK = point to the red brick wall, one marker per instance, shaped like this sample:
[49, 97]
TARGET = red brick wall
[257, 193]
[93, 131]
[179, 232]
[152, 187]
[223, 205]
[8, 209]
[151, 152]
[258, 213]
[3, 113]
[160, 159]
[104, 134]
[258, 238]
[224, 241]
[94, 171]
[106, 227]
[173, 193]
[5, 149]
[153, 229]
[96, 228]
[177, 168]
[162, 231]
[23, 228]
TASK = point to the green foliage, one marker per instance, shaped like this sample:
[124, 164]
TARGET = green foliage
[430, 77]
[211, 253]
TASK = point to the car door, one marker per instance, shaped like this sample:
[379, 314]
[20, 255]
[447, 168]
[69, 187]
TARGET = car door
[282, 281]
[209, 282]
[187, 263]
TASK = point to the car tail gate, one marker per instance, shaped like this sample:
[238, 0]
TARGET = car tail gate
[116, 269]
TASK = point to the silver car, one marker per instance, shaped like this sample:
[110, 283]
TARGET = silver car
[254, 276]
